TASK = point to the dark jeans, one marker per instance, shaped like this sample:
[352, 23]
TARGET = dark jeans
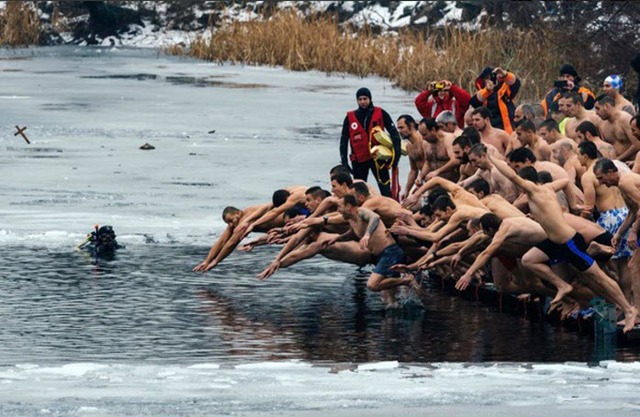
[361, 172]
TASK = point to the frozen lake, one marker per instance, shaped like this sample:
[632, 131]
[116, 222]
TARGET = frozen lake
[143, 335]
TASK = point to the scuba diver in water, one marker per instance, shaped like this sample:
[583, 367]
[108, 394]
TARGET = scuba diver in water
[101, 242]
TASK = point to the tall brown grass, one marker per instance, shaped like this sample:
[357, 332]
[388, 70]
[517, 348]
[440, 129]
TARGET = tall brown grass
[19, 24]
[409, 58]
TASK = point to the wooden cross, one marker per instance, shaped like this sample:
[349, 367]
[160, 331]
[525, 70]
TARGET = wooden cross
[20, 131]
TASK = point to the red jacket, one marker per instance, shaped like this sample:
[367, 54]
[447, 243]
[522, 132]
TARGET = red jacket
[361, 144]
[429, 105]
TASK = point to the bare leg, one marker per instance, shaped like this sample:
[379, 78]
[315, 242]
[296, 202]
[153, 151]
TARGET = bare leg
[596, 249]
[632, 272]
[603, 285]
[619, 269]
[535, 262]
[378, 282]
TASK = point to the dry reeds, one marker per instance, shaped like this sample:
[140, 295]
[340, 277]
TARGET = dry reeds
[20, 24]
[407, 58]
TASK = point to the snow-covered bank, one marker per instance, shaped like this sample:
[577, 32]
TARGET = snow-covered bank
[298, 388]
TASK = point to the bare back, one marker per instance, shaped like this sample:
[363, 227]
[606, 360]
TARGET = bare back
[385, 207]
[499, 206]
[520, 235]
[546, 210]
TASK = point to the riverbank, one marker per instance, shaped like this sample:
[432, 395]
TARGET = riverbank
[410, 43]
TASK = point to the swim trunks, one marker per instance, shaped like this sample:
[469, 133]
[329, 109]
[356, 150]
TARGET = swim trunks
[572, 251]
[391, 255]
[611, 220]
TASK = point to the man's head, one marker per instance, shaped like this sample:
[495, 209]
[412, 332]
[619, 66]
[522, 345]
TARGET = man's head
[478, 157]
[562, 150]
[473, 226]
[521, 158]
[529, 173]
[569, 73]
[425, 216]
[313, 197]
[363, 95]
[461, 148]
[443, 208]
[606, 172]
[340, 183]
[612, 85]
[562, 112]
[587, 152]
[406, 125]
[557, 110]
[523, 112]
[472, 134]
[280, 197]
[338, 168]
[360, 190]
[490, 224]
[549, 131]
[435, 193]
[231, 216]
[480, 188]
[605, 107]
[446, 120]
[428, 128]
[526, 132]
[587, 131]
[573, 103]
[481, 118]
[440, 90]
[348, 206]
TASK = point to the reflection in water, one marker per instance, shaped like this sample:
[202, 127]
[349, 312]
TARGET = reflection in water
[146, 304]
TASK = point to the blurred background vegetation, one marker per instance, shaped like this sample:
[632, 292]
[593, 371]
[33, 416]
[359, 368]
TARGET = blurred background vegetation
[436, 40]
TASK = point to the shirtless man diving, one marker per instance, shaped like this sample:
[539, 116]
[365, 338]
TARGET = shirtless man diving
[566, 244]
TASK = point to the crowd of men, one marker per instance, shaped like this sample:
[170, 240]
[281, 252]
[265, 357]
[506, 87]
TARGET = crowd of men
[541, 199]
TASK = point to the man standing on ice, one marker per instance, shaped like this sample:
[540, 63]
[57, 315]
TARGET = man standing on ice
[356, 130]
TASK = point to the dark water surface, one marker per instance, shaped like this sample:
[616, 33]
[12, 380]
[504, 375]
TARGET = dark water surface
[147, 305]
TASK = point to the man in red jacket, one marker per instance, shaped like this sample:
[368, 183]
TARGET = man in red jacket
[440, 96]
[356, 130]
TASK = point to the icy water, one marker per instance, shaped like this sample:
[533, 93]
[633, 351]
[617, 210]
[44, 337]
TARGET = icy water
[141, 334]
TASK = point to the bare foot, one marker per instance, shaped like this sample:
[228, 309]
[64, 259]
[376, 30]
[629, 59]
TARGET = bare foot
[562, 291]
[596, 249]
[411, 280]
[524, 297]
[567, 308]
[630, 319]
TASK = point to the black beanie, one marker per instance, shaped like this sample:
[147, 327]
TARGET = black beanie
[363, 92]
[569, 69]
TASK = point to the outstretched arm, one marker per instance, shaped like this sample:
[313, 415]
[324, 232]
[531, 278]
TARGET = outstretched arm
[215, 249]
[481, 260]
[290, 247]
[432, 183]
[273, 213]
